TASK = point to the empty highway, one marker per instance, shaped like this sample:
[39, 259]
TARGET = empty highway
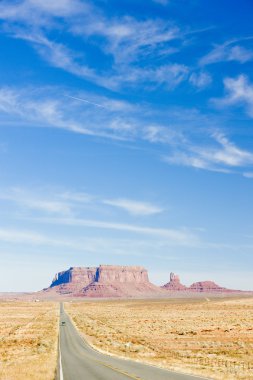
[78, 361]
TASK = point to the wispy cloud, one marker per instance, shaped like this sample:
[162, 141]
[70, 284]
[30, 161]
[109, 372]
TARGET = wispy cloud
[54, 203]
[40, 12]
[123, 121]
[69, 203]
[175, 236]
[200, 80]
[119, 41]
[68, 208]
[134, 207]
[27, 237]
[35, 239]
[221, 157]
[239, 92]
[229, 51]
[156, 134]
[170, 76]
[45, 108]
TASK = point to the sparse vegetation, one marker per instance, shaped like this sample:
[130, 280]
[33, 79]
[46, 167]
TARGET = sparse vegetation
[28, 340]
[212, 338]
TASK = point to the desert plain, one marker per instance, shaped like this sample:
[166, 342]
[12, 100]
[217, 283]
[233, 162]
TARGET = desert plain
[209, 337]
[28, 340]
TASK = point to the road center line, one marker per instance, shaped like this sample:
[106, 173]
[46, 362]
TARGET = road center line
[60, 362]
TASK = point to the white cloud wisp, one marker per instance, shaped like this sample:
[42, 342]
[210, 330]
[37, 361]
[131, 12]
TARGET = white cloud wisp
[134, 207]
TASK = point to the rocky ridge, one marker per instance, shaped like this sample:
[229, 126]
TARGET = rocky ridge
[122, 281]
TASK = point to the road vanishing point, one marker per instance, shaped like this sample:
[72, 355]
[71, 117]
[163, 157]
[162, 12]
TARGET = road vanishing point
[79, 361]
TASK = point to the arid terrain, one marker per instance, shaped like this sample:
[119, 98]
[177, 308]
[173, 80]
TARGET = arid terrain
[209, 337]
[28, 340]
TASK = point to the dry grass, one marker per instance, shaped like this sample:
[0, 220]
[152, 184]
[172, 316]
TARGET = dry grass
[213, 338]
[28, 340]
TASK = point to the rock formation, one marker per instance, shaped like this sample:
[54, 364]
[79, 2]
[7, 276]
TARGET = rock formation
[76, 276]
[122, 281]
[174, 284]
[208, 287]
[103, 281]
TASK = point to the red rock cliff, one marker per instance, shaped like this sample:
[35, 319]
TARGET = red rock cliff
[103, 281]
[121, 274]
[75, 275]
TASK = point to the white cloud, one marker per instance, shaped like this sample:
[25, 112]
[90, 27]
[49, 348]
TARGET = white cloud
[28, 238]
[122, 121]
[32, 21]
[239, 91]
[47, 108]
[170, 76]
[40, 12]
[69, 203]
[161, 134]
[121, 39]
[200, 80]
[59, 55]
[58, 8]
[173, 236]
[45, 201]
[134, 207]
[219, 158]
[227, 52]
[115, 119]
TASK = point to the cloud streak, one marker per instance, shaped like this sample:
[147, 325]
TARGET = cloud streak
[70, 203]
[37, 106]
[134, 207]
[33, 21]
[119, 120]
[223, 157]
[62, 203]
[175, 236]
[229, 51]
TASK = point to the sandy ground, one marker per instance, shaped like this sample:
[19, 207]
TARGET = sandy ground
[212, 337]
[28, 340]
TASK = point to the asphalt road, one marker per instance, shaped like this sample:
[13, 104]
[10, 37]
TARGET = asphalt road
[78, 361]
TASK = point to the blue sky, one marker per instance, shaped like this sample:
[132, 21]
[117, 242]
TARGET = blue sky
[126, 138]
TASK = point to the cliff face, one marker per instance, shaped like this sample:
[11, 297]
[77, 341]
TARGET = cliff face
[121, 274]
[103, 281]
[174, 283]
[75, 275]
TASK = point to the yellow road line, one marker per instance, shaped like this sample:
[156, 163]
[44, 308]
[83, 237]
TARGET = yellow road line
[117, 370]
